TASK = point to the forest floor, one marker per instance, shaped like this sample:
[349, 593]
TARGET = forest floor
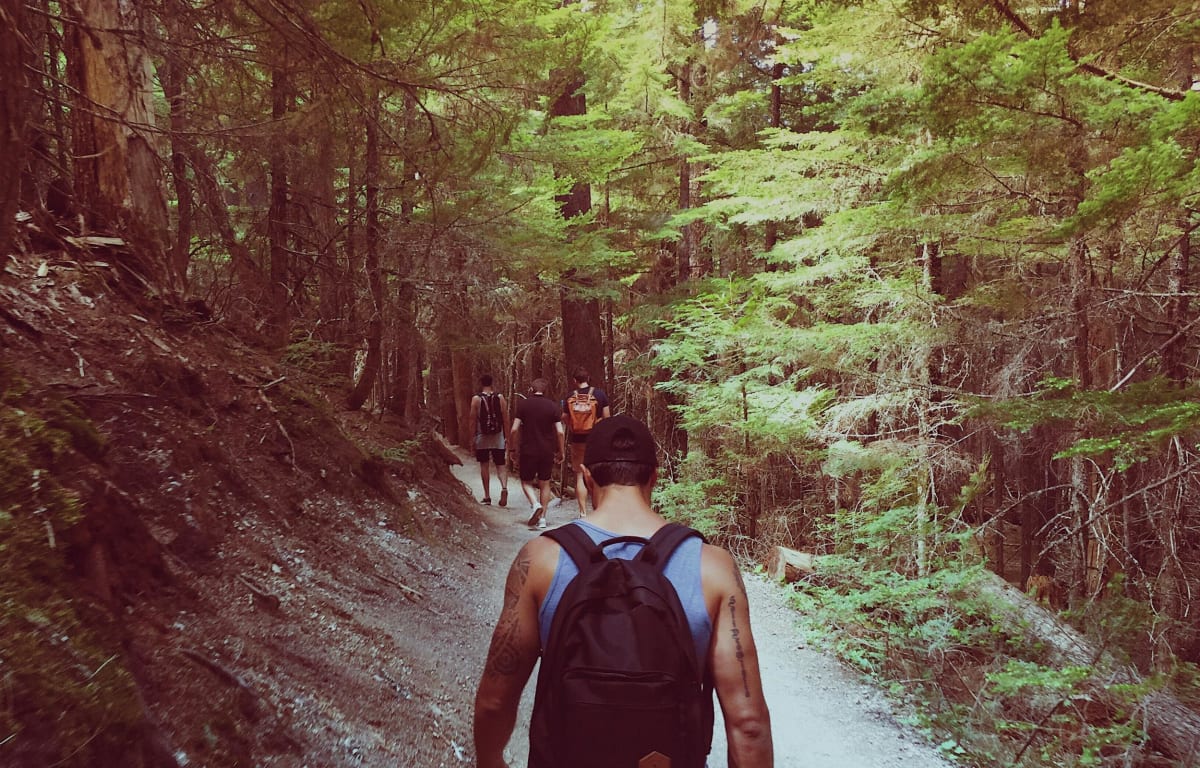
[291, 584]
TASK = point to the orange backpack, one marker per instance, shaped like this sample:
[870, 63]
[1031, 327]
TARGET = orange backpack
[582, 408]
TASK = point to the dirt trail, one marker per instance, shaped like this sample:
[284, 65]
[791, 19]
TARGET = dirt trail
[821, 714]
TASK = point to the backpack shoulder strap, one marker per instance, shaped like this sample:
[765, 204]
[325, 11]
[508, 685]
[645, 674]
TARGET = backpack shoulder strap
[578, 545]
[664, 542]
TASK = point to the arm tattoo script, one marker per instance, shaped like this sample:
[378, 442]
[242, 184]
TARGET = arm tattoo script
[737, 642]
[504, 656]
[737, 576]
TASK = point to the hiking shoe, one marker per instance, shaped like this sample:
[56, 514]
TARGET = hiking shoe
[537, 513]
[503, 497]
[485, 500]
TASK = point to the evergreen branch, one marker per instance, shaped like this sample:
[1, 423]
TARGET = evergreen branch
[1093, 69]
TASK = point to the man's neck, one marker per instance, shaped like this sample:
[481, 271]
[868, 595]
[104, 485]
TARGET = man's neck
[623, 506]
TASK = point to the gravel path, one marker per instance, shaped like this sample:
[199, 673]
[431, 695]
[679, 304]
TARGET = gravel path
[822, 716]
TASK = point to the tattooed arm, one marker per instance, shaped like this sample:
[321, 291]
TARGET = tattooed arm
[735, 664]
[513, 652]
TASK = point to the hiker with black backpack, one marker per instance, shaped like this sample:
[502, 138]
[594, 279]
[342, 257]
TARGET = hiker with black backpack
[489, 414]
[583, 408]
[636, 621]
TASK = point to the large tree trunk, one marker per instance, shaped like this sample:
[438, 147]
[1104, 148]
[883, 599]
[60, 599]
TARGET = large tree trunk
[117, 178]
[441, 392]
[582, 342]
[12, 115]
[407, 350]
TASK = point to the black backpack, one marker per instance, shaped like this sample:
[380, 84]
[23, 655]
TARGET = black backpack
[619, 676]
[489, 413]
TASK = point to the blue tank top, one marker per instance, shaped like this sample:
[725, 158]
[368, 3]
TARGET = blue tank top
[683, 571]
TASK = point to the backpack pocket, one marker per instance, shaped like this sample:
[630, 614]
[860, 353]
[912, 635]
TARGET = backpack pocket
[612, 718]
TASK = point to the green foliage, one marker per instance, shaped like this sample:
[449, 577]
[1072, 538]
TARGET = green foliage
[931, 633]
[696, 496]
[71, 699]
[1130, 425]
[405, 452]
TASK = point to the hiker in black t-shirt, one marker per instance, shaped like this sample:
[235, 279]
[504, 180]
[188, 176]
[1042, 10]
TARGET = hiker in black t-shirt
[536, 439]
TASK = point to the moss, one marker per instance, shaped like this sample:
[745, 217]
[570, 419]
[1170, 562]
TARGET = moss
[84, 436]
[70, 700]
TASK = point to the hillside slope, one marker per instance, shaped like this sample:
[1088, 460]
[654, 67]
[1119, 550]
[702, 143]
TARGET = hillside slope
[204, 561]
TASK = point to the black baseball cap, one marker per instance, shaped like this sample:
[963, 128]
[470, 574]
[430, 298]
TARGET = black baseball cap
[620, 438]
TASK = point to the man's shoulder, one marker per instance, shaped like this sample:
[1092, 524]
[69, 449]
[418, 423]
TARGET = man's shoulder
[541, 557]
[718, 569]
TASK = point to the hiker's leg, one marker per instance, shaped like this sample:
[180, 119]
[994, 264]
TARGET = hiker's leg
[502, 472]
[484, 456]
[581, 490]
[528, 477]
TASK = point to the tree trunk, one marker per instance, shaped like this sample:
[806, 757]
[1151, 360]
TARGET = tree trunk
[1174, 729]
[1174, 363]
[1087, 570]
[582, 342]
[407, 344]
[463, 383]
[366, 382]
[334, 282]
[12, 115]
[441, 392]
[117, 177]
[246, 271]
[277, 215]
[173, 80]
[776, 120]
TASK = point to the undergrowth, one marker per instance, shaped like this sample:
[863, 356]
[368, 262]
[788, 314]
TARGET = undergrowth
[66, 697]
[972, 681]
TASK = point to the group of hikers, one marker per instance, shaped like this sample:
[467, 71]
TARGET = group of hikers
[637, 621]
[535, 439]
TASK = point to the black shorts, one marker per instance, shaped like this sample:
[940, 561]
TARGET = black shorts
[536, 468]
[495, 454]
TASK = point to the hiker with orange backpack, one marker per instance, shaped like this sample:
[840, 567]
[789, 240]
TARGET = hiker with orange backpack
[583, 408]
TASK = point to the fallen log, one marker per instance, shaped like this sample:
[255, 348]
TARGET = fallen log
[790, 565]
[1173, 728]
